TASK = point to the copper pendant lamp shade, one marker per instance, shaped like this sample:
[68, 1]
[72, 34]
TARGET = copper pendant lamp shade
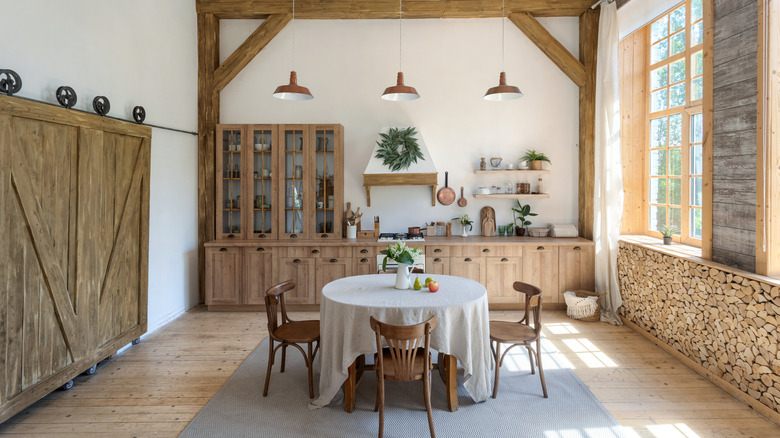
[399, 91]
[503, 91]
[293, 91]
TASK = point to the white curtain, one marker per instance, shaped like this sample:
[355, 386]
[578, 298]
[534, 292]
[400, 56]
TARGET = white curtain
[608, 190]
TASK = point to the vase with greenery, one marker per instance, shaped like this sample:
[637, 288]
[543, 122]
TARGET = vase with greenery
[521, 213]
[535, 159]
[667, 232]
[464, 222]
[404, 256]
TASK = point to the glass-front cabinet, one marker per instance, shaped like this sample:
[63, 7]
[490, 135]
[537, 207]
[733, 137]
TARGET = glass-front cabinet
[229, 168]
[262, 198]
[279, 181]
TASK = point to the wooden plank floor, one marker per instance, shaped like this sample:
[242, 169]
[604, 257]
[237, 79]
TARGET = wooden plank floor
[156, 387]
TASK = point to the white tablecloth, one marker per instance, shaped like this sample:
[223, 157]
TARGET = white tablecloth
[462, 326]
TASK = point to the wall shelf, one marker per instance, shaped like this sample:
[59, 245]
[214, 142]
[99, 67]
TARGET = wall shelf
[514, 196]
[512, 171]
[400, 179]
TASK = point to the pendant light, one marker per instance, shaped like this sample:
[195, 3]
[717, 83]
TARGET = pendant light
[293, 91]
[503, 91]
[399, 91]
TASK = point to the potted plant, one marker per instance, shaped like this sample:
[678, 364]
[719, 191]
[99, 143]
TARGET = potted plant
[464, 222]
[520, 213]
[535, 159]
[667, 232]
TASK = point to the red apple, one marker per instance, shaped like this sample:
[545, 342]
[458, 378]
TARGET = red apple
[433, 286]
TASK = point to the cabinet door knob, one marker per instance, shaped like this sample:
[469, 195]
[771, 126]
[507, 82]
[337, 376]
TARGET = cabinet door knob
[297, 261]
[230, 236]
[363, 260]
[486, 250]
[334, 260]
[364, 251]
[437, 259]
[577, 248]
[437, 250]
[467, 259]
[315, 251]
[504, 259]
[261, 249]
[293, 236]
[324, 235]
[223, 250]
[540, 248]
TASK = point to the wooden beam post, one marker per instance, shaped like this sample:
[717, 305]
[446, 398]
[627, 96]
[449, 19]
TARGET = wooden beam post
[589, 33]
[551, 47]
[707, 146]
[249, 49]
[208, 117]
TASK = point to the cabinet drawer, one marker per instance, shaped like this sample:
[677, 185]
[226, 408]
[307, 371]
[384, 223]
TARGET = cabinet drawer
[437, 251]
[294, 251]
[332, 251]
[501, 251]
[365, 251]
[471, 251]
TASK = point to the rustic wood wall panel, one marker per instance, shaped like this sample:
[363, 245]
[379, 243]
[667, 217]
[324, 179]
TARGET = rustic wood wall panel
[73, 229]
[735, 85]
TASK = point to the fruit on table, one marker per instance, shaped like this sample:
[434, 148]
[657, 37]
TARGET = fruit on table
[433, 286]
[427, 281]
[417, 284]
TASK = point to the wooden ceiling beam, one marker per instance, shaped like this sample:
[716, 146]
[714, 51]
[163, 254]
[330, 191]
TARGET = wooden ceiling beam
[247, 51]
[551, 47]
[388, 9]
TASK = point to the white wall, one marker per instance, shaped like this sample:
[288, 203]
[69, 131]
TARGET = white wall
[636, 14]
[142, 52]
[348, 63]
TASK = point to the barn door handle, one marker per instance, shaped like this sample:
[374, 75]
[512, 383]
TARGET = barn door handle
[223, 250]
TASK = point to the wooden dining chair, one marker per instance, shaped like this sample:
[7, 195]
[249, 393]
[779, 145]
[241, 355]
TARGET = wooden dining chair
[404, 359]
[520, 333]
[288, 332]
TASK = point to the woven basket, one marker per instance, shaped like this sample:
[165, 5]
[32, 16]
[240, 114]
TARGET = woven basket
[596, 316]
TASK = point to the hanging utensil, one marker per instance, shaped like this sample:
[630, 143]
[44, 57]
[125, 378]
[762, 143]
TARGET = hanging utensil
[446, 195]
[462, 201]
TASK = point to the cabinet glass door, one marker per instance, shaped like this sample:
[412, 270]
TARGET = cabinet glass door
[293, 169]
[230, 189]
[262, 197]
[325, 205]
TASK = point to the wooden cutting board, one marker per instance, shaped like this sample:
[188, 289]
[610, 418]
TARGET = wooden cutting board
[487, 217]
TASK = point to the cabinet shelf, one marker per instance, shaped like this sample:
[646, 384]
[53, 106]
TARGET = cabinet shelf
[512, 171]
[514, 196]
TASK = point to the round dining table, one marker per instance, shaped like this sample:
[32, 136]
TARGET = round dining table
[461, 335]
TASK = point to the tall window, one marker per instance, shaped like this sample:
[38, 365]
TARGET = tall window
[675, 78]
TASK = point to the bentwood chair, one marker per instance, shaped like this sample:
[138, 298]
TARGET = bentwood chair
[403, 360]
[288, 333]
[520, 333]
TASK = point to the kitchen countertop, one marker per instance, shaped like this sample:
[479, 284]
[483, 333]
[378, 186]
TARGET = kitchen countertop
[449, 241]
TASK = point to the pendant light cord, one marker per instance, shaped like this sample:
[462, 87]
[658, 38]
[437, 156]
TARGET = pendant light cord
[400, 33]
[502, 34]
[293, 37]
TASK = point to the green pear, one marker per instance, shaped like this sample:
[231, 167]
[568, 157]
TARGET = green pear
[417, 284]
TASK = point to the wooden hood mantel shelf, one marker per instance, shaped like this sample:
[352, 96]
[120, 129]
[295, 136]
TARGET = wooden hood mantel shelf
[400, 179]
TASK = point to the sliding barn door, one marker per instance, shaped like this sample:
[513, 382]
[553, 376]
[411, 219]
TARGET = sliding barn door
[74, 197]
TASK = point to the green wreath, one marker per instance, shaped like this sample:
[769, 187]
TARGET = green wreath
[398, 149]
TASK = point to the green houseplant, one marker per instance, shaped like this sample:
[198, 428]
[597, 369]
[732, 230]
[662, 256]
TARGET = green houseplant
[464, 222]
[520, 213]
[535, 159]
[667, 232]
[400, 253]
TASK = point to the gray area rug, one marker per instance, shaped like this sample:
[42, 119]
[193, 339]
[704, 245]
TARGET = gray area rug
[240, 410]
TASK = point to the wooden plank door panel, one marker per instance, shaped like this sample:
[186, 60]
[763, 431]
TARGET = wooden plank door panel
[540, 268]
[501, 273]
[329, 269]
[258, 262]
[301, 270]
[468, 267]
[224, 278]
[575, 265]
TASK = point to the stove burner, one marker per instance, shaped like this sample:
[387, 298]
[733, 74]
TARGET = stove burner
[393, 237]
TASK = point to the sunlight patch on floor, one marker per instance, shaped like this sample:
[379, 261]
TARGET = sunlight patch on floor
[677, 430]
[589, 353]
[592, 432]
[561, 328]
[552, 358]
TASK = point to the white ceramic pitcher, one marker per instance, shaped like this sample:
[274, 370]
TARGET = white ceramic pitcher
[403, 276]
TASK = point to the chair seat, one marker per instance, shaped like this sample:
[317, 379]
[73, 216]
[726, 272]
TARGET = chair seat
[299, 332]
[510, 332]
[389, 365]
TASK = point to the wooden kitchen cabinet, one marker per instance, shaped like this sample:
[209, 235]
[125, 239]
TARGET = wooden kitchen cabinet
[540, 268]
[302, 270]
[437, 265]
[224, 279]
[500, 275]
[329, 269]
[258, 273]
[576, 268]
[468, 267]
